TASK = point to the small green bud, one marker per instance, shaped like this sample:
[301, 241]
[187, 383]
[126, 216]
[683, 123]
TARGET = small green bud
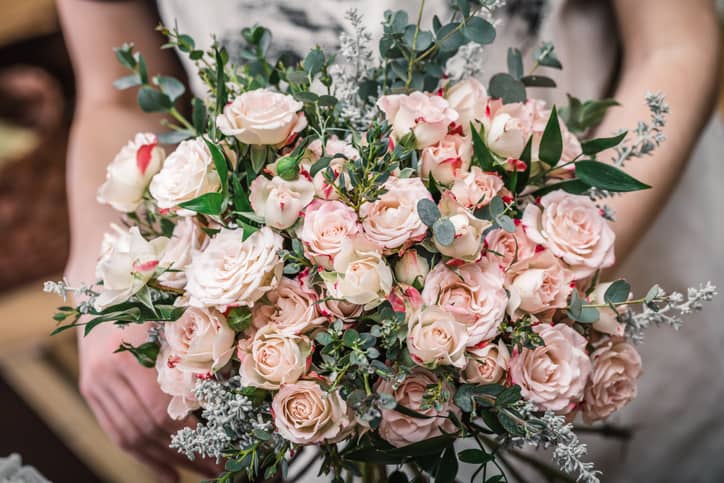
[288, 168]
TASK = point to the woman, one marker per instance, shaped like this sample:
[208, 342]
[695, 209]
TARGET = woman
[619, 48]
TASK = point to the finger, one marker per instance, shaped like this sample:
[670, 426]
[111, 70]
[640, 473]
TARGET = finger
[113, 428]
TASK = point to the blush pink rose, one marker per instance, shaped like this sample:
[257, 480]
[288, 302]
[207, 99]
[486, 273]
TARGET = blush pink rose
[187, 239]
[607, 322]
[447, 159]
[291, 308]
[470, 100]
[435, 338]
[476, 188]
[392, 220]
[507, 248]
[573, 229]
[305, 414]
[340, 310]
[400, 429]
[469, 229]
[411, 268]
[614, 379]
[472, 293]
[201, 339]
[487, 364]
[427, 116]
[334, 146]
[553, 376]
[176, 383]
[278, 201]
[262, 117]
[328, 225]
[539, 284]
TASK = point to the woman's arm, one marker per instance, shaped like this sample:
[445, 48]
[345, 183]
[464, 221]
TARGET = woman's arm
[673, 47]
[124, 396]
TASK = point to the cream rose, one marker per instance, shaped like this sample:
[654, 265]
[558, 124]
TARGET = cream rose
[187, 239]
[130, 172]
[426, 115]
[613, 384]
[510, 128]
[487, 364]
[362, 276]
[291, 308]
[279, 201]
[187, 173]
[447, 159]
[127, 263]
[468, 241]
[573, 229]
[340, 309]
[328, 225]
[538, 284]
[176, 383]
[472, 293]
[392, 220]
[273, 359]
[476, 188]
[411, 268]
[305, 414]
[435, 338]
[201, 339]
[469, 99]
[400, 429]
[553, 376]
[607, 322]
[262, 117]
[508, 248]
[235, 272]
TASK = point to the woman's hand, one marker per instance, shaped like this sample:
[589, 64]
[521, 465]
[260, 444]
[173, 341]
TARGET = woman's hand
[128, 403]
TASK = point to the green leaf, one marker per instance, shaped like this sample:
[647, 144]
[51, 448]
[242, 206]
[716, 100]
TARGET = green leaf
[206, 204]
[258, 158]
[509, 396]
[324, 338]
[174, 137]
[607, 177]
[198, 115]
[172, 87]
[504, 86]
[221, 94]
[306, 96]
[222, 167]
[573, 186]
[428, 211]
[127, 82]
[145, 354]
[479, 30]
[510, 425]
[328, 101]
[474, 456]
[515, 63]
[447, 470]
[551, 144]
[449, 39]
[524, 176]
[482, 155]
[617, 292]
[350, 337]
[297, 77]
[424, 39]
[124, 54]
[444, 232]
[239, 319]
[601, 144]
[151, 100]
[538, 81]
[314, 61]
[545, 55]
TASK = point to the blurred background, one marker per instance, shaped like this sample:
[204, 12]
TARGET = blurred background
[42, 414]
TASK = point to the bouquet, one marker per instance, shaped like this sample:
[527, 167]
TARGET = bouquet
[376, 256]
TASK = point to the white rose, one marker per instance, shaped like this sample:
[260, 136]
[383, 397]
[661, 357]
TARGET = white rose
[487, 364]
[187, 173]
[127, 264]
[469, 99]
[362, 276]
[447, 159]
[392, 220]
[279, 201]
[434, 338]
[411, 268]
[426, 115]
[176, 383]
[201, 339]
[291, 308]
[130, 172]
[273, 358]
[262, 117]
[328, 225]
[233, 271]
[187, 239]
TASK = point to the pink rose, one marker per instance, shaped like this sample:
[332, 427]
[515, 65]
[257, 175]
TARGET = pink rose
[279, 201]
[201, 339]
[130, 172]
[434, 338]
[411, 268]
[613, 384]
[487, 364]
[426, 115]
[340, 309]
[328, 225]
[538, 284]
[392, 220]
[334, 146]
[469, 99]
[508, 248]
[472, 293]
[187, 239]
[290, 308]
[400, 429]
[468, 241]
[553, 376]
[176, 383]
[573, 229]
[447, 159]
[273, 358]
[305, 414]
[262, 117]
[607, 322]
[476, 188]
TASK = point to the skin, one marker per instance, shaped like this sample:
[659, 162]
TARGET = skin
[125, 396]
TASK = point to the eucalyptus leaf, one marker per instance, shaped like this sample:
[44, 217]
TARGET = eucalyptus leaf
[515, 63]
[444, 232]
[170, 86]
[504, 86]
[479, 30]
[428, 211]
[127, 82]
[617, 292]
[538, 81]
[152, 100]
